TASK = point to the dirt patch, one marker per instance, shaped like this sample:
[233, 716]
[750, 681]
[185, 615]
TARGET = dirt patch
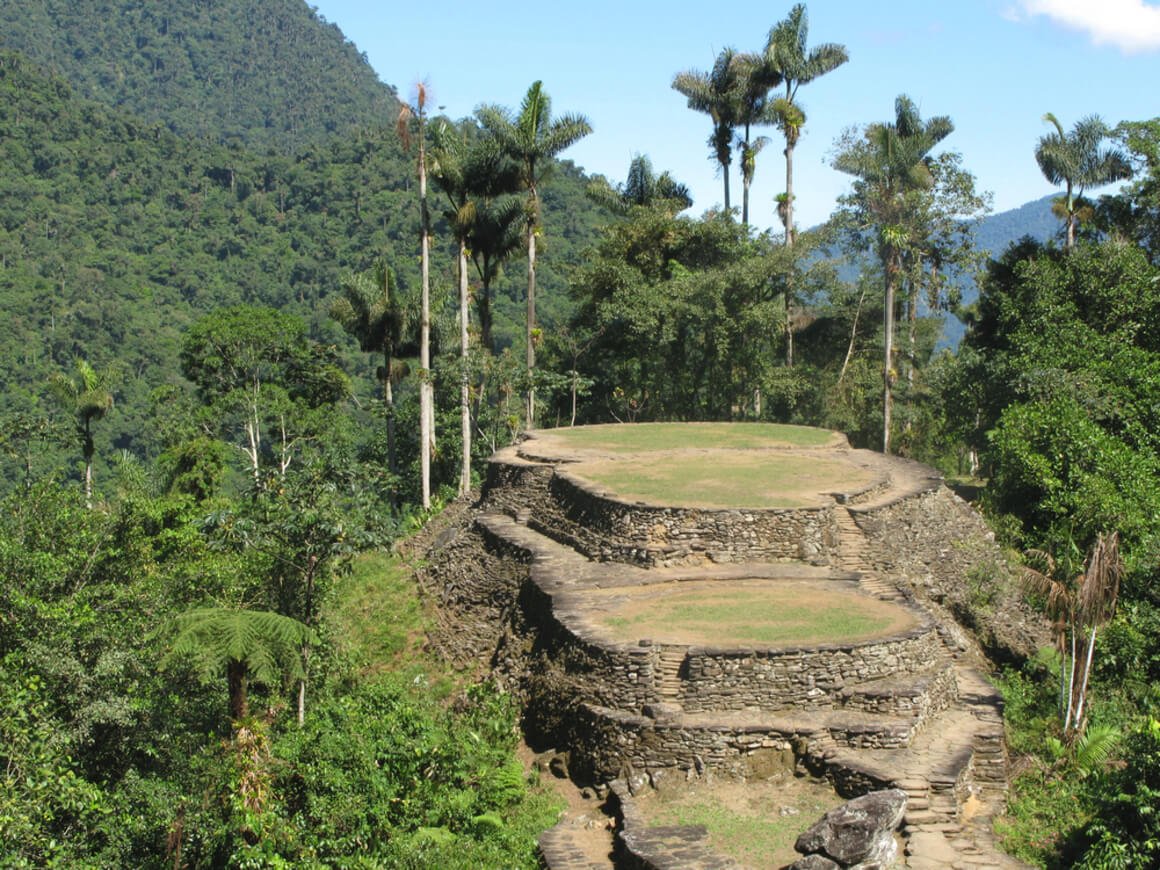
[755, 823]
[766, 612]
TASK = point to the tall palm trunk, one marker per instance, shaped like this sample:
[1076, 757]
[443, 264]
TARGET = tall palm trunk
[426, 396]
[725, 175]
[530, 409]
[789, 145]
[892, 269]
[88, 449]
[389, 408]
[484, 305]
[464, 387]
[789, 232]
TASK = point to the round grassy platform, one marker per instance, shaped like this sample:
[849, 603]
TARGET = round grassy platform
[767, 613]
[640, 437]
[725, 479]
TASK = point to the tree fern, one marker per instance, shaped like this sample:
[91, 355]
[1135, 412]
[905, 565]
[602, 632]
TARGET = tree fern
[244, 644]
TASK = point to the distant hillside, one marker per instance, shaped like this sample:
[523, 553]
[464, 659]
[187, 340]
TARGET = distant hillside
[267, 73]
[1033, 219]
[994, 234]
[115, 235]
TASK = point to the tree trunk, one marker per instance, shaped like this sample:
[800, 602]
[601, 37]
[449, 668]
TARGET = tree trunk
[888, 353]
[484, 303]
[1070, 218]
[237, 677]
[426, 399]
[464, 386]
[530, 409]
[853, 334]
[389, 407]
[788, 325]
[1070, 685]
[1087, 668]
[789, 195]
[725, 175]
[88, 450]
[302, 686]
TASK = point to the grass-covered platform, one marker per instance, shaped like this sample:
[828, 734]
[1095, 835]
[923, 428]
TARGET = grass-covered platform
[709, 465]
[642, 437]
[756, 612]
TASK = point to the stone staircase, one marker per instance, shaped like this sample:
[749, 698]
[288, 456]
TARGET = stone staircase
[853, 556]
[672, 659]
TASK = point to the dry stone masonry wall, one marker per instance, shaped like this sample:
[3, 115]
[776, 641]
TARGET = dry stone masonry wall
[862, 714]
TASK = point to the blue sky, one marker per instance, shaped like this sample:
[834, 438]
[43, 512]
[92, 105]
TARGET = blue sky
[993, 66]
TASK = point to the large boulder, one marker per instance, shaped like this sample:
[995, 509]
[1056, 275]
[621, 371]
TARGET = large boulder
[858, 833]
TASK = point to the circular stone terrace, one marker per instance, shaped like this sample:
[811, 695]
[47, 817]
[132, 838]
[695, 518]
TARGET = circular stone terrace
[713, 465]
[735, 472]
[709, 597]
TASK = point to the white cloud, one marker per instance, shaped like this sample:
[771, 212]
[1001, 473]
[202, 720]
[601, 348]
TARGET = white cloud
[1130, 25]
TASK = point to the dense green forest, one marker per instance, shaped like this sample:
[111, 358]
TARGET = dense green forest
[226, 73]
[216, 350]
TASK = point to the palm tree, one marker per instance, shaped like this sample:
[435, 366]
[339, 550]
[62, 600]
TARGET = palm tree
[753, 108]
[787, 56]
[426, 388]
[717, 94]
[890, 163]
[1077, 160]
[495, 236]
[1077, 606]
[371, 310]
[643, 188]
[89, 398]
[469, 170]
[533, 138]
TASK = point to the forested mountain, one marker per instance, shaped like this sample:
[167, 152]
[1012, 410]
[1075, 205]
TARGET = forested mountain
[265, 73]
[997, 231]
[193, 197]
[116, 234]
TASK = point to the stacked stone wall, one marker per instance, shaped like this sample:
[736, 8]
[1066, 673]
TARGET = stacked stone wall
[778, 679]
[614, 675]
[571, 511]
[920, 697]
[607, 742]
[667, 536]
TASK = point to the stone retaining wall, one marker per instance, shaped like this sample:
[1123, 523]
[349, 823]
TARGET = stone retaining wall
[919, 696]
[667, 536]
[607, 742]
[779, 679]
[616, 675]
[599, 526]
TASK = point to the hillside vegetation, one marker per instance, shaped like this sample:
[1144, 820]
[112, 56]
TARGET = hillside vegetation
[267, 74]
[224, 379]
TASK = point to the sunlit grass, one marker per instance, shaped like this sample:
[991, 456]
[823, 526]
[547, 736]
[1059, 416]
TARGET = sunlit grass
[768, 615]
[374, 612]
[757, 829]
[742, 479]
[634, 437]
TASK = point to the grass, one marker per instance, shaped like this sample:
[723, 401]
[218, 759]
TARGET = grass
[777, 614]
[712, 480]
[374, 613]
[639, 437]
[756, 827]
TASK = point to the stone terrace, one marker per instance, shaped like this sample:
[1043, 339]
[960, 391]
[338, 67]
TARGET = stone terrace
[906, 710]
